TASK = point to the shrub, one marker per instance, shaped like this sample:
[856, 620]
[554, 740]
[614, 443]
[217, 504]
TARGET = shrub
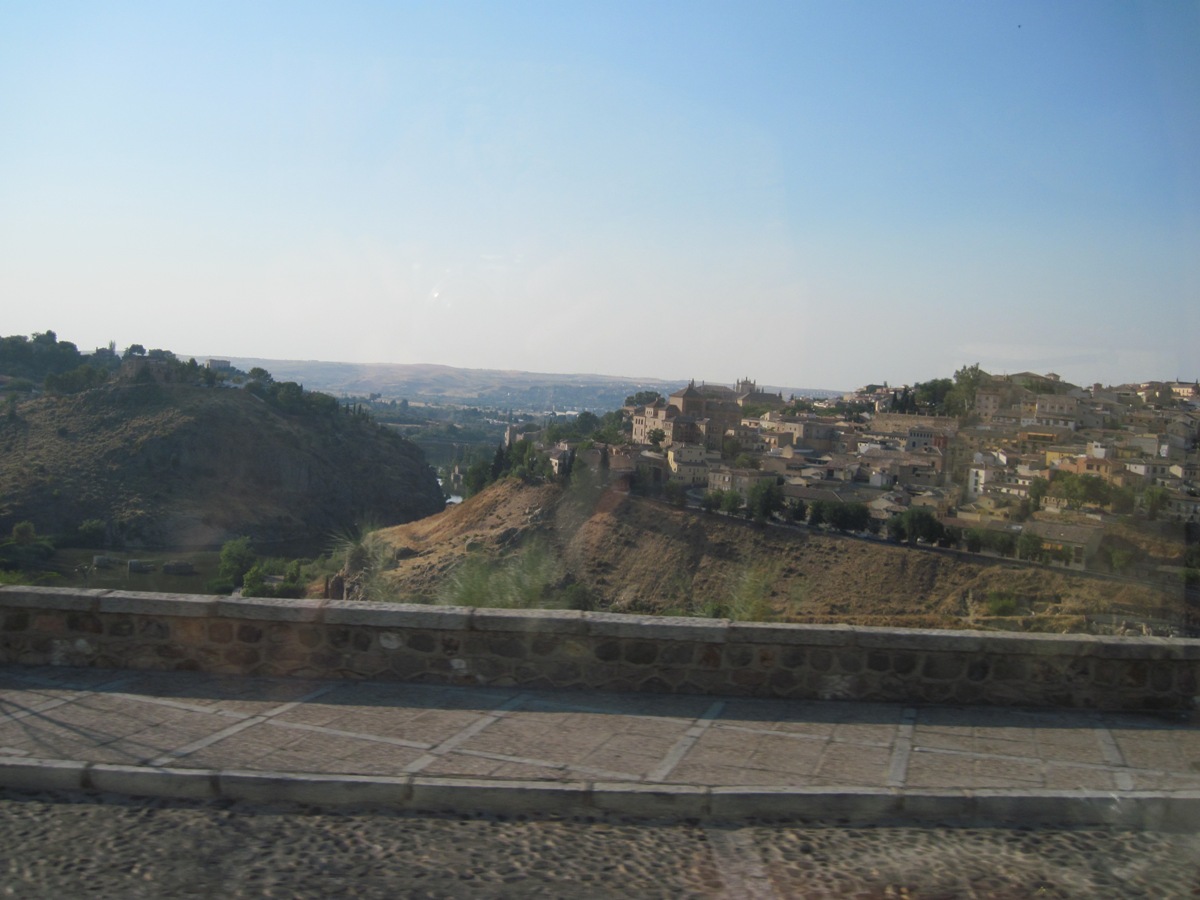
[1001, 604]
[237, 556]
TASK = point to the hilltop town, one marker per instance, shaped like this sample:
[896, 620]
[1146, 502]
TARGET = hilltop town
[1023, 465]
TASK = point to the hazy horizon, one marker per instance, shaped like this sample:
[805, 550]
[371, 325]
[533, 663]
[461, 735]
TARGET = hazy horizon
[802, 193]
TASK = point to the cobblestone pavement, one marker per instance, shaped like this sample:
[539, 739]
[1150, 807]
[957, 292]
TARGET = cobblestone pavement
[190, 720]
[69, 844]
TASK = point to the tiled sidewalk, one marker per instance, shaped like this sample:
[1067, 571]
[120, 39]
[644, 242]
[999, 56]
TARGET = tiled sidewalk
[188, 721]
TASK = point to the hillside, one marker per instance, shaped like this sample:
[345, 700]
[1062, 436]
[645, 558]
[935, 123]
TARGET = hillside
[179, 465]
[628, 554]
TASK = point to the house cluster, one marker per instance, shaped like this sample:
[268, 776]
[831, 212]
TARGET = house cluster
[974, 471]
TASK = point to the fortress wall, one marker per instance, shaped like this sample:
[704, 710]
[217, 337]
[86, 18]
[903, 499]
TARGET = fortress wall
[603, 651]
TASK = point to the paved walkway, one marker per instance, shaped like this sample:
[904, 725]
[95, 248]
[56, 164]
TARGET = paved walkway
[514, 750]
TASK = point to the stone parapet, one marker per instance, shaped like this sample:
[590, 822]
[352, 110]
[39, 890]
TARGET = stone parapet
[595, 651]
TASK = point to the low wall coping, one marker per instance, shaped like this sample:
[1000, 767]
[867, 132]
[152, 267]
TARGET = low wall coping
[594, 624]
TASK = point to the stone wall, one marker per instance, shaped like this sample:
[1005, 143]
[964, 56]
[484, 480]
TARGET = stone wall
[604, 651]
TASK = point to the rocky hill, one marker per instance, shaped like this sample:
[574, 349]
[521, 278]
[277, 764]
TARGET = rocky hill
[180, 465]
[617, 552]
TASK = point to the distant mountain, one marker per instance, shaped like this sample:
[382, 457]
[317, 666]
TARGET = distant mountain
[180, 465]
[534, 391]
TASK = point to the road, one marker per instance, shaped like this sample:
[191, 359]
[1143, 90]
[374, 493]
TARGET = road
[75, 844]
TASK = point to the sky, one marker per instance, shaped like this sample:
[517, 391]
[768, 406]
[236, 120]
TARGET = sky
[810, 194]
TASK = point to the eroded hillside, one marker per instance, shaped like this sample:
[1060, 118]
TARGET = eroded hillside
[624, 553]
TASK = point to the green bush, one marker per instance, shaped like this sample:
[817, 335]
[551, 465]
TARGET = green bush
[525, 581]
[237, 557]
[1001, 604]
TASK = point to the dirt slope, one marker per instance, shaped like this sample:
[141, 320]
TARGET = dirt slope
[633, 554]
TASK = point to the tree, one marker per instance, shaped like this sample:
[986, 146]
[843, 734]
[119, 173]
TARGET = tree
[916, 524]
[974, 539]
[24, 533]
[816, 512]
[586, 423]
[134, 350]
[848, 516]
[91, 533]
[763, 500]
[499, 464]
[1123, 500]
[797, 509]
[746, 461]
[675, 493]
[731, 502]
[643, 398]
[1154, 499]
[1037, 490]
[258, 373]
[475, 479]
[656, 436]
[967, 380]
[237, 556]
[1029, 546]
[711, 501]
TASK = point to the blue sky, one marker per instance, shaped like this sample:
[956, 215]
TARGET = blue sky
[812, 194]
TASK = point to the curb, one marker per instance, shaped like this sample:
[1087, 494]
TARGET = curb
[1172, 811]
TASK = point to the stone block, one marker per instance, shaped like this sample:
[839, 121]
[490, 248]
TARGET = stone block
[607, 651]
[16, 621]
[29, 774]
[153, 629]
[54, 622]
[549, 621]
[919, 640]
[404, 665]
[17, 596]
[314, 789]
[952, 806]
[1162, 677]
[878, 661]
[563, 674]
[467, 795]
[153, 781]
[1010, 668]
[148, 603]
[657, 628]
[738, 656]
[1135, 648]
[978, 670]
[398, 616]
[640, 653]
[190, 631]
[803, 803]
[704, 681]
[752, 679]
[1182, 812]
[84, 623]
[244, 657]
[942, 667]
[249, 634]
[508, 645]
[420, 642]
[650, 801]
[820, 660]
[850, 661]
[269, 609]
[708, 656]
[786, 633]
[791, 657]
